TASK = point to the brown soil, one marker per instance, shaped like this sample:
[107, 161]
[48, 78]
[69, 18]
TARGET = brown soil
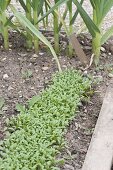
[17, 87]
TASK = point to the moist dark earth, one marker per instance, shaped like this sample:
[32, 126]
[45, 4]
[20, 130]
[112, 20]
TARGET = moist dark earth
[24, 74]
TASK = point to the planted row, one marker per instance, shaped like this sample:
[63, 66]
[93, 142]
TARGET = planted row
[37, 11]
[36, 134]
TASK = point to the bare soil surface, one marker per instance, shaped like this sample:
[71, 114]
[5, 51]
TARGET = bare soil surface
[24, 74]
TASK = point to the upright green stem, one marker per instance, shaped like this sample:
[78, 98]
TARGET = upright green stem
[5, 32]
[29, 17]
[6, 38]
[69, 4]
[44, 21]
[36, 40]
[63, 17]
[96, 46]
[96, 41]
[56, 31]
[46, 8]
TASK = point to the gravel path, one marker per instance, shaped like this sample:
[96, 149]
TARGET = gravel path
[79, 23]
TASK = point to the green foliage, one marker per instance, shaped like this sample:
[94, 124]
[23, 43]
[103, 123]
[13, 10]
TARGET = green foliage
[3, 22]
[35, 13]
[27, 74]
[32, 29]
[2, 102]
[36, 135]
[100, 10]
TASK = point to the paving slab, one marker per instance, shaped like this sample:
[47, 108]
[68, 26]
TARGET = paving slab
[100, 152]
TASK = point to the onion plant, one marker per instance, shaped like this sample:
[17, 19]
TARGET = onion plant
[100, 10]
[34, 31]
[4, 22]
[33, 8]
[68, 29]
[58, 24]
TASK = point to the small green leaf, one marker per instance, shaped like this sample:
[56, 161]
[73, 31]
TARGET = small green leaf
[33, 100]
[2, 102]
[20, 108]
[107, 35]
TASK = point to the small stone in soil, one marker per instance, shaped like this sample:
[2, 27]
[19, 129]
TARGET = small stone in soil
[3, 59]
[5, 76]
[35, 56]
[10, 88]
[87, 47]
[5, 108]
[22, 55]
[41, 53]
[85, 73]
[64, 66]
[68, 167]
[45, 68]
[32, 88]
[103, 55]
[103, 49]
[110, 75]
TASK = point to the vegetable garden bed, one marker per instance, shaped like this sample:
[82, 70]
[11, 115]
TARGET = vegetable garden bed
[52, 130]
[31, 75]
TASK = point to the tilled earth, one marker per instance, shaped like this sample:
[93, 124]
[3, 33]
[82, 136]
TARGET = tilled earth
[24, 74]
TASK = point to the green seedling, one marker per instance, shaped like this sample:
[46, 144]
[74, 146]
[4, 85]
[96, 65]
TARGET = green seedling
[37, 134]
[2, 103]
[27, 74]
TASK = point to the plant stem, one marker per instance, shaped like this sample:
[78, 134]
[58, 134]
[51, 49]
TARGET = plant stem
[44, 21]
[5, 32]
[46, 8]
[69, 4]
[56, 34]
[36, 40]
[96, 41]
[56, 31]
[63, 17]
[96, 46]
[29, 17]
[6, 38]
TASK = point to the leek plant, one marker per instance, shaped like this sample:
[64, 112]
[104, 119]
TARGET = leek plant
[4, 22]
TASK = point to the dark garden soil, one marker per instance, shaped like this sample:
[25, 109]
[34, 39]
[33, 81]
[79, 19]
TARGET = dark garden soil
[24, 74]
